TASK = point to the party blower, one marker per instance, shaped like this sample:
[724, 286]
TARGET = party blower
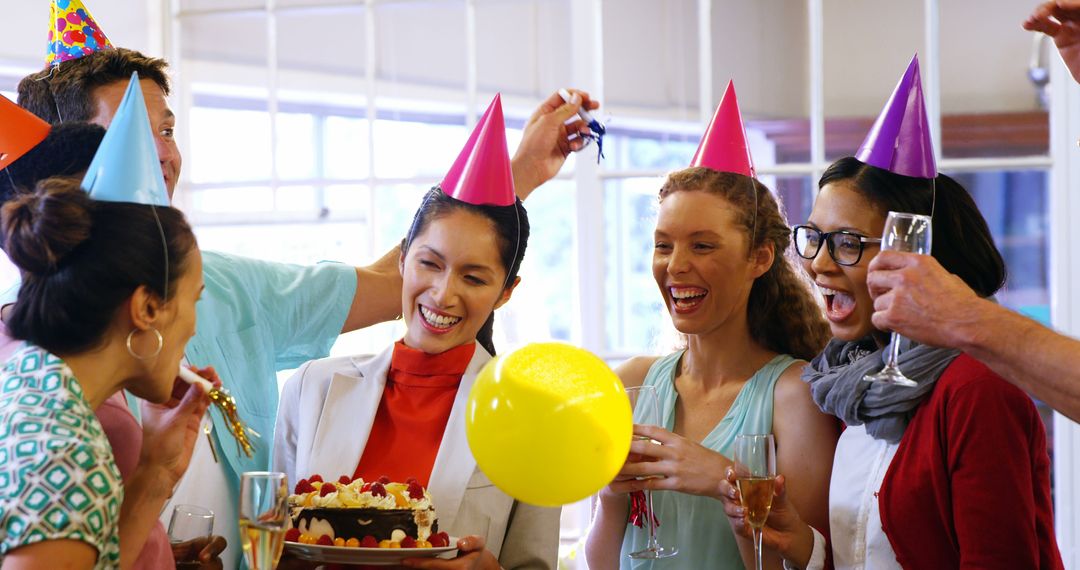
[226, 404]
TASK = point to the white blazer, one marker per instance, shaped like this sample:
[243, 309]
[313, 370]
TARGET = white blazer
[324, 420]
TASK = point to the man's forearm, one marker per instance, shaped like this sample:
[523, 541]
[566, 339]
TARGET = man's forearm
[1031, 356]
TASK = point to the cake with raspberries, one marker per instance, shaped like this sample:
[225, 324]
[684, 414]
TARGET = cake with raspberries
[355, 513]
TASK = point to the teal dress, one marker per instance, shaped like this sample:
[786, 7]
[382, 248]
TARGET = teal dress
[693, 524]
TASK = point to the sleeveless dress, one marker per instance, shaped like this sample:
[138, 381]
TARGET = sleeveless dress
[693, 524]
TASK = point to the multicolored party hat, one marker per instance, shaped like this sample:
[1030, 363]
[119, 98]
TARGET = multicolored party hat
[900, 140]
[20, 131]
[481, 174]
[73, 32]
[126, 167]
[723, 146]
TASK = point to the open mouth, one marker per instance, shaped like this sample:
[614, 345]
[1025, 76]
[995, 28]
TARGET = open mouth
[687, 299]
[436, 321]
[839, 305]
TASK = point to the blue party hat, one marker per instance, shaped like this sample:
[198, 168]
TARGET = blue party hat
[126, 167]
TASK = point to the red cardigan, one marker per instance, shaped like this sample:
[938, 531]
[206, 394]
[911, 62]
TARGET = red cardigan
[969, 486]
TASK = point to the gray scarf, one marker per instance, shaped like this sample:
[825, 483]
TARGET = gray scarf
[836, 382]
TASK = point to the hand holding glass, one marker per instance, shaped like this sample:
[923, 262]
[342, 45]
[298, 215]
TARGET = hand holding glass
[646, 410]
[190, 523]
[908, 233]
[755, 468]
[263, 517]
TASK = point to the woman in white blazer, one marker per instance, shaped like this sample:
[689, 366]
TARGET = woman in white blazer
[459, 263]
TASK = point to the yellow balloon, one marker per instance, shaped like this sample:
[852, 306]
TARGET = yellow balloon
[549, 423]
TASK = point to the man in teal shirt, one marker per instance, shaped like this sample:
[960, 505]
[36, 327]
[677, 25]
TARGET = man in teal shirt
[258, 317]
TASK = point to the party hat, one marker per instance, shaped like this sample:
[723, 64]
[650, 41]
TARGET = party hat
[900, 141]
[723, 146]
[481, 174]
[126, 167]
[73, 32]
[20, 131]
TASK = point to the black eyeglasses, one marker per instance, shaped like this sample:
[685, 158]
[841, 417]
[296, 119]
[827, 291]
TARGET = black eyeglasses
[846, 248]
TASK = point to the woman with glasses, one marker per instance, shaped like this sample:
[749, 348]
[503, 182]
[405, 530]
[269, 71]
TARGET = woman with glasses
[952, 473]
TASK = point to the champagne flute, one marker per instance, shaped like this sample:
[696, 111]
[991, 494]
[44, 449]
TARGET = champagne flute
[908, 233]
[263, 517]
[755, 468]
[189, 523]
[643, 402]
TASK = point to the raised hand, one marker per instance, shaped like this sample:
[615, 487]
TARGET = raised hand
[1060, 20]
[546, 141]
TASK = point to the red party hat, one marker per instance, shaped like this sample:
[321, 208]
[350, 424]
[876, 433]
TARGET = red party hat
[20, 131]
[481, 174]
[723, 146]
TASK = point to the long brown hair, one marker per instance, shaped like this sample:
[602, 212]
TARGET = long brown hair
[781, 311]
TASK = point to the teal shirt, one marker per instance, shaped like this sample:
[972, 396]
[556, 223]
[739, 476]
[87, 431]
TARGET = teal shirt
[255, 318]
[693, 524]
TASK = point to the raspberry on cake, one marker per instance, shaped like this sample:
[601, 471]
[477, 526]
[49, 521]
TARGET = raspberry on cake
[382, 513]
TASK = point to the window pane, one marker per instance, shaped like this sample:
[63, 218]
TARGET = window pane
[796, 195]
[394, 209]
[634, 308]
[1015, 205]
[346, 199]
[407, 149]
[648, 150]
[229, 145]
[289, 243]
[296, 146]
[247, 201]
[345, 147]
[541, 308]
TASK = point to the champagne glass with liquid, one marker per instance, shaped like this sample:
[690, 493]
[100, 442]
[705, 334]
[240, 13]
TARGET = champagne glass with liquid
[643, 402]
[755, 469]
[263, 517]
[908, 233]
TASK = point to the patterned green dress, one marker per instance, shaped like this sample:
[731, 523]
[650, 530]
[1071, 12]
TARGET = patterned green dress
[58, 479]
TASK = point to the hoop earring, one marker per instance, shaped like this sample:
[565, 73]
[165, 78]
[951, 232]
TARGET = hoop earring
[160, 344]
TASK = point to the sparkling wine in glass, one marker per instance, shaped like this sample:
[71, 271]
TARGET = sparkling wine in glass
[908, 233]
[188, 524]
[755, 470]
[263, 517]
[643, 401]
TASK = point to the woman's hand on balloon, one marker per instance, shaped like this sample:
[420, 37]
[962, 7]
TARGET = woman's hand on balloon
[677, 464]
[472, 555]
[784, 530]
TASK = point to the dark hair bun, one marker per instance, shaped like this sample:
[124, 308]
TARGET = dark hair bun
[39, 229]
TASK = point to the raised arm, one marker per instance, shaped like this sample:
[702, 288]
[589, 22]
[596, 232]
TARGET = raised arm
[917, 297]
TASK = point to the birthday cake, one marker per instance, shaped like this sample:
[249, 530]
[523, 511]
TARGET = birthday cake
[355, 513]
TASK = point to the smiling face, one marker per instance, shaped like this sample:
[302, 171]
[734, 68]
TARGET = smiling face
[839, 206]
[162, 122]
[452, 279]
[701, 261]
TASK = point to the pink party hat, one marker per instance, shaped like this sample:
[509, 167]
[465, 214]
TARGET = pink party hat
[900, 141]
[481, 174]
[723, 146]
[20, 131]
[73, 32]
